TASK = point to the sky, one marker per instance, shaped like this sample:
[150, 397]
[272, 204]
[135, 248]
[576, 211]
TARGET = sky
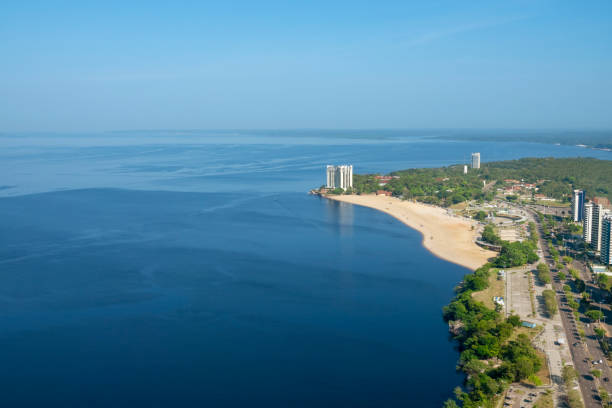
[125, 65]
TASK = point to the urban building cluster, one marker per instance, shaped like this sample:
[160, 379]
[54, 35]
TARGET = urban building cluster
[384, 180]
[517, 187]
[596, 224]
[339, 176]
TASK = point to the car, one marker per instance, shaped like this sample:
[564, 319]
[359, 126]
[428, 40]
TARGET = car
[595, 362]
[606, 379]
[600, 361]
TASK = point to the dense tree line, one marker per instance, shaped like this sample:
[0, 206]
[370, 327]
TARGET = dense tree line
[556, 177]
[443, 186]
[485, 334]
[448, 185]
[516, 254]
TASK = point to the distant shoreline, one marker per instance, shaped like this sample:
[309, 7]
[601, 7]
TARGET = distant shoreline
[447, 237]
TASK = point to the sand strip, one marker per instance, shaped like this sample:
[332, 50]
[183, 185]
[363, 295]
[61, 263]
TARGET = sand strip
[448, 237]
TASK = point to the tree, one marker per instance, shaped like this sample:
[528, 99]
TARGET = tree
[543, 273]
[574, 273]
[580, 285]
[594, 315]
[515, 254]
[605, 397]
[569, 374]
[561, 275]
[449, 403]
[535, 379]
[550, 301]
[514, 320]
[602, 281]
[596, 373]
[573, 399]
[524, 367]
[600, 333]
[489, 235]
[480, 215]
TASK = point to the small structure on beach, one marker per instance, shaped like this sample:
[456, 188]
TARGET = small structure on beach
[528, 324]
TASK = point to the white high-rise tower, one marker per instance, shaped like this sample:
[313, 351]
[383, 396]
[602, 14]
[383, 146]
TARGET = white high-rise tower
[339, 176]
[475, 160]
[578, 205]
[587, 222]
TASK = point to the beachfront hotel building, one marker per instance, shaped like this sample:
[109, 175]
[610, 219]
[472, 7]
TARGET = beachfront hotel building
[606, 240]
[339, 176]
[475, 160]
[577, 205]
[587, 222]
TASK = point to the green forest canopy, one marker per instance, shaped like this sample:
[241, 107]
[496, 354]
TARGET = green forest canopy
[448, 185]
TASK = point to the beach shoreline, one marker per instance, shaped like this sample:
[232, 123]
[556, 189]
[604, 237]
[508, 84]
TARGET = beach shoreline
[445, 236]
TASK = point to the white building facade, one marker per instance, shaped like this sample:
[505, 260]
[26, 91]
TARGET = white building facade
[587, 222]
[339, 176]
[577, 205]
[475, 160]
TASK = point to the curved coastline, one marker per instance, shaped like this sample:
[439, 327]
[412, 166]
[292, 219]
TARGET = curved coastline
[450, 238]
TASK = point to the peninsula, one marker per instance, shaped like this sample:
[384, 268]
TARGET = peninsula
[519, 327]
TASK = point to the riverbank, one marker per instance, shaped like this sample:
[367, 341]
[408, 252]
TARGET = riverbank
[447, 237]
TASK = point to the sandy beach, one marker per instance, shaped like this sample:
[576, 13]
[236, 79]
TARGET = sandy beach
[450, 238]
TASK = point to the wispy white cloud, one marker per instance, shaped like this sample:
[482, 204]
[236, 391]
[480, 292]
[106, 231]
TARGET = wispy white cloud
[438, 34]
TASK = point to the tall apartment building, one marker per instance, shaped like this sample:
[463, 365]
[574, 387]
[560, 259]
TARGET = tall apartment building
[598, 213]
[587, 222]
[577, 205]
[340, 176]
[606, 239]
[475, 160]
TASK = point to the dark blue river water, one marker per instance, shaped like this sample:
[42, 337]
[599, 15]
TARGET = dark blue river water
[179, 270]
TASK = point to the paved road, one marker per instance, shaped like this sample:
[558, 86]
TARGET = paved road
[591, 341]
[579, 352]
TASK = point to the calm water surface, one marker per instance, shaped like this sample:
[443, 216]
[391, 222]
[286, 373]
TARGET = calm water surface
[140, 270]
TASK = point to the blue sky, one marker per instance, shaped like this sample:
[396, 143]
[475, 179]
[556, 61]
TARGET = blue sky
[74, 66]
